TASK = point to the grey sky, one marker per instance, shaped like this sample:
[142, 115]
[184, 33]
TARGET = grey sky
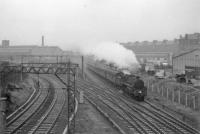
[75, 21]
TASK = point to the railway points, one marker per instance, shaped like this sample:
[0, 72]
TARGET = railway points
[107, 90]
[45, 112]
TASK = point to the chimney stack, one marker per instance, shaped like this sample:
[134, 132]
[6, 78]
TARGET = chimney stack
[42, 41]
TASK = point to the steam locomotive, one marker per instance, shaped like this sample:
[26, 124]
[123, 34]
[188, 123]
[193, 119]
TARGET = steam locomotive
[122, 80]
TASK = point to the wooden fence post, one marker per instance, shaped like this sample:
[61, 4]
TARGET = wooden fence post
[162, 91]
[152, 87]
[186, 100]
[179, 96]
[167, 93]
[173, 95]
[157, 89]
[194, 102]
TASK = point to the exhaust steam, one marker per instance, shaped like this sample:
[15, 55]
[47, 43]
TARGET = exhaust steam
[112, 53]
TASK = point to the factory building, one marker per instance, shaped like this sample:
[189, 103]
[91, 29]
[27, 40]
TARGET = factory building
[14, 53]
[187, 63]
[156, 52]
[188, 60]
[30, 50]
[46, 50]
[157, 58]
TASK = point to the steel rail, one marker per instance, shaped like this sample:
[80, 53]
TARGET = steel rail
[172, 119]
[140, 122]
[27, 113]
[171, 126]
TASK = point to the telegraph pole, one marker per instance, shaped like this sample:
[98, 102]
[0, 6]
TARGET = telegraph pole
[2, 104]
[21, 73]
[83, 67]
[1, 112]
[69, 95]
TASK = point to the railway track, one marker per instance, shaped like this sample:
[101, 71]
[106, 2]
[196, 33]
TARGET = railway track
[146, 118]
[46, 123]
[148, 106]
[16, 124]
[46, 113]
[50, 120]
[129, 121]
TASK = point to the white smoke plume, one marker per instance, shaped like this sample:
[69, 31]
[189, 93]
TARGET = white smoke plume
[112, 53]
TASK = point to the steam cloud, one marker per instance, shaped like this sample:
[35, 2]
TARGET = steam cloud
[112, 53]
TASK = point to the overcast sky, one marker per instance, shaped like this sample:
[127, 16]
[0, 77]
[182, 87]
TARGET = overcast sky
[65, 22]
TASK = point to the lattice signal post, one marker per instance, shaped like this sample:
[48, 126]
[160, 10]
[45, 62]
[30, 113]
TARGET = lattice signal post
[67, 68]
[71, 86]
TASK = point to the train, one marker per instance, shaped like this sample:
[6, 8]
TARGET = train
[123, 81]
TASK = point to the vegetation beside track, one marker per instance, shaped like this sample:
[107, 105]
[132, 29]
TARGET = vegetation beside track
[15, 90]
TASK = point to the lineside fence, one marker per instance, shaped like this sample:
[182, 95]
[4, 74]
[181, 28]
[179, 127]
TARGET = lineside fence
[176, 92]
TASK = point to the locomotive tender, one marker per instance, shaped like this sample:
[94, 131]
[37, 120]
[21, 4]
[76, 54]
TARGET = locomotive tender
[123, 81]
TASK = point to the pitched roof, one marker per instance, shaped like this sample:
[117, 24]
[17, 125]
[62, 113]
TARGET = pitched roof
[168, 48]
[47, 50]
[14, 51]
[185, 52]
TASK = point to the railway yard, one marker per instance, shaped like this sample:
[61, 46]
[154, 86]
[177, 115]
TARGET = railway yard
[105, 109]
[149, 115]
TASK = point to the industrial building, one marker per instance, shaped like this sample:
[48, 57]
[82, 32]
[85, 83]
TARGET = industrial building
[156, 52]
[30, 50]
[157, 58]
[14, 53]
[18, 50]
[187, 63]
[189, 42]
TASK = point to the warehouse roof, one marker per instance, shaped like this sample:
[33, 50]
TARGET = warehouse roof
[31, 50]
[166, 48]
[14, 51]
[185, 52]
[47, 50]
